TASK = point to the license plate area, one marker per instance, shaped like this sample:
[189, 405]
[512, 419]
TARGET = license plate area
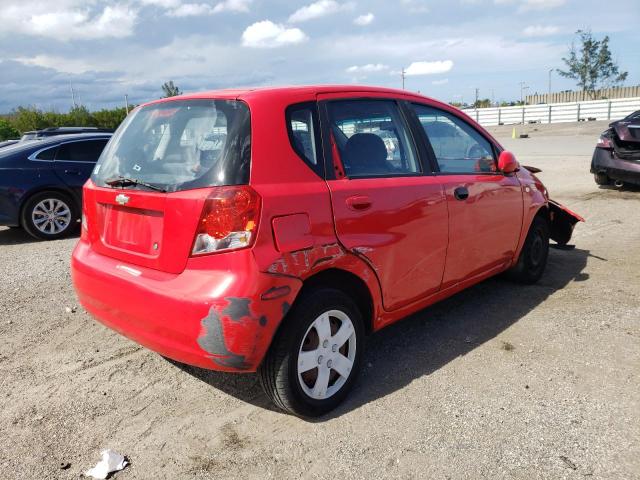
[133, 230]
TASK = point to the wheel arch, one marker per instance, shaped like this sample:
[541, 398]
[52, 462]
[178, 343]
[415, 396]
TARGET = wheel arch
[48, 188]
[540, 210]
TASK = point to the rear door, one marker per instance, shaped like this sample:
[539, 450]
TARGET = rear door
[74, 161]
[485, 206]
[386, 209]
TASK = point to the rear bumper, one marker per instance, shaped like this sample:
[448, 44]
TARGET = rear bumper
[607, 162]
[212, 315]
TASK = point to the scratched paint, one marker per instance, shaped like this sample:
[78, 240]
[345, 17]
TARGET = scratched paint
[237, 309]
[212, 341]
[301, 262]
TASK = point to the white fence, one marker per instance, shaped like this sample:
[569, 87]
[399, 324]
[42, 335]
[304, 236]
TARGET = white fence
[556, 112]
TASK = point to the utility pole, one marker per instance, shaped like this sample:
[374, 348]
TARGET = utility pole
[126, 103]
[523, 87]
[73, 95]
[475, 105]
[403, 75]
[549, 96]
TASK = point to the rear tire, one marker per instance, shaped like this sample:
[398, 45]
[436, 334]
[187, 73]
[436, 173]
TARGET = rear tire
[601, 178]
[534, 254]
[49, 215]
[315, 357]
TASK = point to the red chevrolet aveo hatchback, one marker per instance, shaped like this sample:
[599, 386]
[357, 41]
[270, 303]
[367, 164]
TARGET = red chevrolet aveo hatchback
[269, 230]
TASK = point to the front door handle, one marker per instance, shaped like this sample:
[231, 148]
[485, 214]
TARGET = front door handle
[461, 193]
[72, 171]
[359, 202]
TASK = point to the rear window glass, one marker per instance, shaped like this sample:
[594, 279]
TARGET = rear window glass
[180, 145]
[84, 151]
[48, 154]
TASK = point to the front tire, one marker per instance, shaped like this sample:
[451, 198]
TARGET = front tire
[49, 215]
[316, 355]
[534, 254]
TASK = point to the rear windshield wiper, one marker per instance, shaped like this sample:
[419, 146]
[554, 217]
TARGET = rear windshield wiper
[126, 181]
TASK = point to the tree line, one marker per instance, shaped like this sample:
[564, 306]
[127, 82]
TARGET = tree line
[25, 119]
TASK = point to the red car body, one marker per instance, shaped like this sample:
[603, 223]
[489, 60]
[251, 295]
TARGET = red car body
[397, 244]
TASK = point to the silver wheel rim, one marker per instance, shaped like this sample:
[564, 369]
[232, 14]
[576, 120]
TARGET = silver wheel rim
[326, 356]
[51, 216]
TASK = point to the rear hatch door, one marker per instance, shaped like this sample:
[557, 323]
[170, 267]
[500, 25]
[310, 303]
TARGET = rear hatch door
[149, 229]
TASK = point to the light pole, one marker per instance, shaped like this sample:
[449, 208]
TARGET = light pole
[403, 75]
[549, 96]
[523, 87]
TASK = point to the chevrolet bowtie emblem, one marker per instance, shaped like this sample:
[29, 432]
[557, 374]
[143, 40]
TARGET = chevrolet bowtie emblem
[122, 199]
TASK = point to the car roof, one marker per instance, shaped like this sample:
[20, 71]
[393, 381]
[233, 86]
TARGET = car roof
[291, 91]
[43, 142]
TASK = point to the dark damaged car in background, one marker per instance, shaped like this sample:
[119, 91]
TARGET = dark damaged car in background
[616, 159]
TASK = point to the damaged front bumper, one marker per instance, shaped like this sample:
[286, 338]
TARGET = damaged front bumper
[220, 313]
[624, 168]
[562, 222]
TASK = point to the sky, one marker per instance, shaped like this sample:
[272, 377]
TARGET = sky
[105, 49]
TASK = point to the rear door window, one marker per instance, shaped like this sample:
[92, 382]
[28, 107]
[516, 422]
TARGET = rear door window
[372, 138]
[81, 151]
[304, 134]
[457, 146]
[48, 154]
[180, 145]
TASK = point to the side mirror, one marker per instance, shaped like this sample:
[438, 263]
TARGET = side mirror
[507, 162]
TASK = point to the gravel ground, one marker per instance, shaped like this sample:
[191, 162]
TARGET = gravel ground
[500, 381]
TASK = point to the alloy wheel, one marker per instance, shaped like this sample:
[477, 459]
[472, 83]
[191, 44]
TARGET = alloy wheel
[327, 354]
[51, 216]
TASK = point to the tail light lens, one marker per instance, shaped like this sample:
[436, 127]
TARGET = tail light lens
[229, 220]
[604, 142]
[84, 225]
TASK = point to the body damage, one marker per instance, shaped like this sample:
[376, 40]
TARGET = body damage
[222, 311]
[536, 200]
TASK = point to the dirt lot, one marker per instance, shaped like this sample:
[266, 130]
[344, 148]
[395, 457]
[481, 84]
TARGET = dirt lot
[501, 381]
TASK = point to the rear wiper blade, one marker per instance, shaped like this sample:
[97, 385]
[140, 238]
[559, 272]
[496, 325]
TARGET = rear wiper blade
[126, 181]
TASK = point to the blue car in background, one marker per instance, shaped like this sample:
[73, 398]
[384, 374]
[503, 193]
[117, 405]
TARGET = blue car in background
[41, 182]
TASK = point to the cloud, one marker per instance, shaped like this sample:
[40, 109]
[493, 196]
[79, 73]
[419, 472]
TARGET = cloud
[69, 22]
[233, 6]
[198, 9]
[368, 68]
[444, 81]
[60, 64]
[191, 10]
[540, 4]
[266, 34]
[318, 9]
[416, 6]
[365, 19]
[428, 68]
[540, 30]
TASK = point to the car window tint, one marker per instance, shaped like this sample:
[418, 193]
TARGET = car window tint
[82, 151]
[372, 138]
[457, 146]
[48, 154]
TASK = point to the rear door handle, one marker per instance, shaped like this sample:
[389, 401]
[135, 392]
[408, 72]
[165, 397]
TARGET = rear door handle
[72, 171]
[461, 193]
[358, 202]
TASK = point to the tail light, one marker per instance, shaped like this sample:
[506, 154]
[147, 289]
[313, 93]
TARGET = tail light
[229, 220]
[604, 142]
[84, 226]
